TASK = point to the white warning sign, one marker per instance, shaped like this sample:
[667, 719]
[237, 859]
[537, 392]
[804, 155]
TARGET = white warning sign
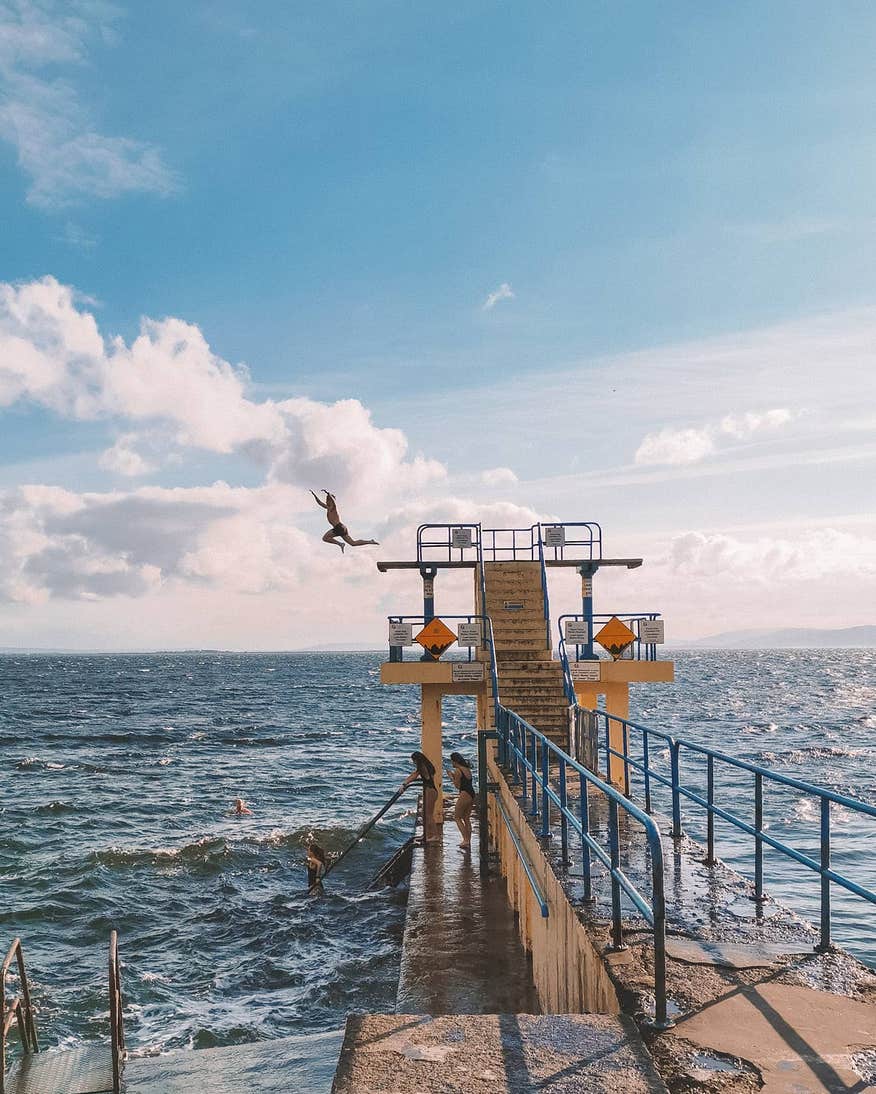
[651, 630]
[401, 634]
[467, 672]
[584, 671]
[577, 631]
[468, 634]
[460, 537]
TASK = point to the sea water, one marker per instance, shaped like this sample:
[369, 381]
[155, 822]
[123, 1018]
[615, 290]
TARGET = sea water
[119, 774]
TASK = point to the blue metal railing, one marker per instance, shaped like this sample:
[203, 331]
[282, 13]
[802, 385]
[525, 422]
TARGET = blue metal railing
[678, 746]
[396, 653]
[438, 540]
[435, 542]
[530, 756]
[524, 861]
[637, 651]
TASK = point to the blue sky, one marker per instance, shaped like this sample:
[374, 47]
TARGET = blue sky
[624, 251]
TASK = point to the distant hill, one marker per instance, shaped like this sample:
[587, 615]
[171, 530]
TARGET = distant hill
[788, 638]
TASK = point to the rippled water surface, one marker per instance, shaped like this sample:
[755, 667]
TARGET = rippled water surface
[119, 772]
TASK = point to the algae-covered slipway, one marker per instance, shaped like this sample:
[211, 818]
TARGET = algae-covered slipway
[585, 943]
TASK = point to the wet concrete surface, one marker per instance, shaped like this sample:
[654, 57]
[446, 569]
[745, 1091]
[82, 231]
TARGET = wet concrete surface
[265, 1067]
[461, 952]
[733, 965]
[494, 1054]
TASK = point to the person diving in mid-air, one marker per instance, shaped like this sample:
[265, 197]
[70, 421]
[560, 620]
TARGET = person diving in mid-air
[338, 534]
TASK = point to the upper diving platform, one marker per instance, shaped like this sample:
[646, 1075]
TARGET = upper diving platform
[462, 546]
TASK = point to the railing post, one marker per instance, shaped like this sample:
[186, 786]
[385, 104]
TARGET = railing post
[617, 927]
[646, 764]
[523, 773]
[710, 815]
[564, 820]
[758, 841]
[534, 763]
[676, 793]
[824, 944]
[585, 846]
[545, 800]
[483, 820]
[658, 905]
[587, 570]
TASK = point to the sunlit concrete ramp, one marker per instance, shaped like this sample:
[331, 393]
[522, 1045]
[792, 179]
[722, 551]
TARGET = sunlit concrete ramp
[494, 1054]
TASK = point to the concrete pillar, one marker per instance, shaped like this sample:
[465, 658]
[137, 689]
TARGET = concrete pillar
[431, 739]
[617, 702]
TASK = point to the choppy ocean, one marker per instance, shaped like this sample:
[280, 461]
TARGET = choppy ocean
[119, 772]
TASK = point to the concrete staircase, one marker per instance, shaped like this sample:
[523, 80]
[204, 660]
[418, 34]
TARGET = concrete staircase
[530, 683]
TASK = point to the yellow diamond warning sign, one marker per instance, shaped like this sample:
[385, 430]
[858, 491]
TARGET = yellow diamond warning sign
[435, 638]
[615, 637]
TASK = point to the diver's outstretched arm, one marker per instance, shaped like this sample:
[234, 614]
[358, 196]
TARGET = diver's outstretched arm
[320, 503]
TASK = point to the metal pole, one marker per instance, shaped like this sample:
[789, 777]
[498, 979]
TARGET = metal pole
[676, 795]
[483, 826]
[710, 816]
[428, 574]
[825, 944]
[564, 820]
[647, 772]
[545, 800]
[585, 846]
[617, 927]
[587, 570]
[534, 810]
[758, 841]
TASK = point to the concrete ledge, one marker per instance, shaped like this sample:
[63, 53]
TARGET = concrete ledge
[431, 672]
[494, 1054]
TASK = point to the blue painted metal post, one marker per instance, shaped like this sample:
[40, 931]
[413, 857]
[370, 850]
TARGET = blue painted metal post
[533, 762]
[564, 820]
[428, 574]
[617, 927]
[825, 944]
[585, 846]
[676, 794]
[587, 570]
[758, 841]
[647, 772]
[710, 816]
[545, 800]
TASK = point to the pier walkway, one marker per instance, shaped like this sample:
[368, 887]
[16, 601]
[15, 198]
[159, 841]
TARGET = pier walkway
[467, 1015]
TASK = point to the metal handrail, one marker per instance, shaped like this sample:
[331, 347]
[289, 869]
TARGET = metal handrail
[471, 617]
[826, 797]
[524, 861]
[20, 1010]
[629, 618]
[117, 1026]
[533, 539]
[546, 604]
[528, 753]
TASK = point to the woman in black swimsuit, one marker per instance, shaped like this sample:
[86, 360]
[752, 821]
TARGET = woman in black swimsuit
[425, 771]
[461, 776]
[338, 530]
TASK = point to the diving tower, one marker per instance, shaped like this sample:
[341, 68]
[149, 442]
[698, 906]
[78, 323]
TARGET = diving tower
[504, 650]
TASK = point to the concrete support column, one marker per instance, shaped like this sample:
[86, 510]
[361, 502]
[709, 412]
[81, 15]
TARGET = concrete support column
[431, 739]
[617, 702]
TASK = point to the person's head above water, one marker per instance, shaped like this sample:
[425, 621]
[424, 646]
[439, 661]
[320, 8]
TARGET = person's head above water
[240, 807]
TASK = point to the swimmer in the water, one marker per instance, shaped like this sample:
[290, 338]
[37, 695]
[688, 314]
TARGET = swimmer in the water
[316, 864]
[338, 531]
[240, 808]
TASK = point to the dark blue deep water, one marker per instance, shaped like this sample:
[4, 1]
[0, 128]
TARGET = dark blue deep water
[119, 771]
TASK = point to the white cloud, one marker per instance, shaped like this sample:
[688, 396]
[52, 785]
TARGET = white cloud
[41, 115]
[499, 476]
[504, 292]
[52, 353]
[123, 459]
[690, 445]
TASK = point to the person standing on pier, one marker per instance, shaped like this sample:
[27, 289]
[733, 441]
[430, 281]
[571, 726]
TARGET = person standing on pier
[425, 771]
[338, 530]
[460, 775]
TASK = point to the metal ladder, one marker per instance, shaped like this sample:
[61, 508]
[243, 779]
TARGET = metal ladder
[91, 1069]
